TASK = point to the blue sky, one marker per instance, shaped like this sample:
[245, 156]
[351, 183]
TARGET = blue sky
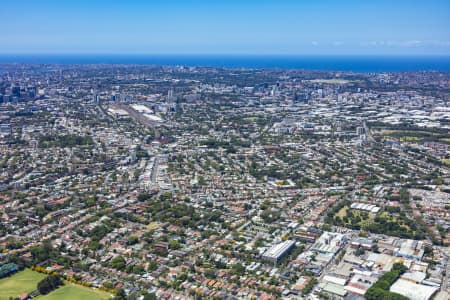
[226, 27]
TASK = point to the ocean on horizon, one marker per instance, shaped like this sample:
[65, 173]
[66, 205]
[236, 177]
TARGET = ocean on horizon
[363, 64]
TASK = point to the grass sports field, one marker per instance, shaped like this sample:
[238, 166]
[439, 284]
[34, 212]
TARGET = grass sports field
[75, 292]
[24, 281]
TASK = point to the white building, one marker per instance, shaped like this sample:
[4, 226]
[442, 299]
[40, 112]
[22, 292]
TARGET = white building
[276, 252]
[413, 290]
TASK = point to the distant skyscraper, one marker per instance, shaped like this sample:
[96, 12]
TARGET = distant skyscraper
[32, 92]
[170, 96]
[16, 91]
[274, 90]
[360, 130]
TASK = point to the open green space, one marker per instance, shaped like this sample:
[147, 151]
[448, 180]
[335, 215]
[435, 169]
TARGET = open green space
[411, 134]
[386, 222]
[72, 291]
[352, 217]
[446, 161]
[342, 212]
[411, 139]
[24, 281]
[408, 132]
[153, 226]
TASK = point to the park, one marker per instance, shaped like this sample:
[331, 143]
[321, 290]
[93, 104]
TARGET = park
[26, 281]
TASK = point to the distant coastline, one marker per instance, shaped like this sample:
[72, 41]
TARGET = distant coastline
[362, 64]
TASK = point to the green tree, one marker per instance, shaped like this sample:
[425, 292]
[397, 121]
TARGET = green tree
[118, 263]
[150, 296]
[49, 284]
[174, 245]
[120, 294]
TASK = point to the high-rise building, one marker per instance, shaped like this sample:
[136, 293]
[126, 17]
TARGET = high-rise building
[31, 92]
[360, 130]
[5, 129]
[15, 91]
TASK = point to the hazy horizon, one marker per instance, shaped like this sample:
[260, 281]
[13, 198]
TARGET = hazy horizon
[353, 63]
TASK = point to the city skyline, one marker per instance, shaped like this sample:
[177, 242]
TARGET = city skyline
[217, 27]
